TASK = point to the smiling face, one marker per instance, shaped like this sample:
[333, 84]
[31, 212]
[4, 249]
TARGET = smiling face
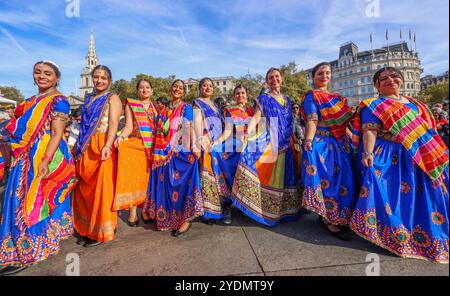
[240, 96]
[274, 80]
[44, 77]
[101, 80]
[322, 76]
[389, 83]
[177, 90]
[207, 89]
[144, 89]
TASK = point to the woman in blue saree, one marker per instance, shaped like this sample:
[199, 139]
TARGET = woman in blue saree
[208, 121]
[265, 185]
[327, 167]
[403, 165]
[236, 120]
[174, 197]
[37, 213]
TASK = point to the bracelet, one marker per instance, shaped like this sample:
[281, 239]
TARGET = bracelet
[47, 157]
[106, 146]
[367, 154]
[308, 141]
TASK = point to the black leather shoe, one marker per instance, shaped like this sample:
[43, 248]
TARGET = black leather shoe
[149, 221]
[208, 221]
[343, 233]
[91, 243]
[81, 240]
[177, 233]
[227, 216]
[12, 270]
[133, 224]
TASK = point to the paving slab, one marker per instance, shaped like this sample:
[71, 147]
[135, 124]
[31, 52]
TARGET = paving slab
[404, 267]
[305, 244]
[204, 250]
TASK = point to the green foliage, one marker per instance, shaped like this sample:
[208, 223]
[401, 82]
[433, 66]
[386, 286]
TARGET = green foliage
[435, 93]
[252, 83]
[295, 84]
[127, 89]
[12, 93]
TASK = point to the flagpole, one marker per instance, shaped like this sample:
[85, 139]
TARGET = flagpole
[387, 42]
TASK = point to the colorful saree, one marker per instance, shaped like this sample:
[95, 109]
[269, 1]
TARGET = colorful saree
[36, 214]
[174, 192]
[400, 207]
[327, 170]
[134, 158]
[2, 166]
[265, 186]
[213, 184]
[94, 193]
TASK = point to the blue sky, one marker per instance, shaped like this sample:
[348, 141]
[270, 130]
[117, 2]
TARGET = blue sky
[195, 38]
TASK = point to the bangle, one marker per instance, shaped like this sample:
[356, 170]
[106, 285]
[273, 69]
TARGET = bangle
[367, 154]
[47, 157]
[107, 146]
[308, 141]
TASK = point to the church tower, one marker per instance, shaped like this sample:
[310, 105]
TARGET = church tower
[91, 61]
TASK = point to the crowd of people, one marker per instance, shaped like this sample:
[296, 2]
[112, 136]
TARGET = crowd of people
[379, 170]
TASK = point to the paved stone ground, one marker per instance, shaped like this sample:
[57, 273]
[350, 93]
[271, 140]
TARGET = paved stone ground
[301, 248]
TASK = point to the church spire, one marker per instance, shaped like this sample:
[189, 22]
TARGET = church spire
[92, 44]
[91, 58]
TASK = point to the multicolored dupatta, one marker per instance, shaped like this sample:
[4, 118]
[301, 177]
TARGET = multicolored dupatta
[415, 131]
[38, 196]
[32, 114]
[334, 112]
[145, 120]
[90, 118]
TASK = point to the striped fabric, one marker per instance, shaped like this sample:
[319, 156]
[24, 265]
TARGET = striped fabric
[29, 143]
[334, 112]
[2, 166]
[416, 132]
[32, 115]
[145, 120]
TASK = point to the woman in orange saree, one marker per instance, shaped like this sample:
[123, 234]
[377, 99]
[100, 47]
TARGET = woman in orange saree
[94, 218]
[135, 145]
[36, 214]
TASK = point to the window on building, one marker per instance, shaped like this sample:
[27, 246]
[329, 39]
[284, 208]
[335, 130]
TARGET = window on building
[345, 73]
[352, 92]
[361, 70]
[370, 89]
[224, 90]
[345, 83]
[87, 81]
[217, 83]
[362, 79]
[341, 84]
[379, 67]
[351, 72]
[368, 68]
[351, 82]
[363, 90]
[224, 83]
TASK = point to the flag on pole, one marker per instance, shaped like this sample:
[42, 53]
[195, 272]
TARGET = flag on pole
[370, 37]
[387, 34]
[410, 37]
[414, 37]
[401, 35]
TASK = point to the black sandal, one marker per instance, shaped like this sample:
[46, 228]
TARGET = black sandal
[341, 234]
[149, 221]
[91, 243]
[10, 270]
[177, 233]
